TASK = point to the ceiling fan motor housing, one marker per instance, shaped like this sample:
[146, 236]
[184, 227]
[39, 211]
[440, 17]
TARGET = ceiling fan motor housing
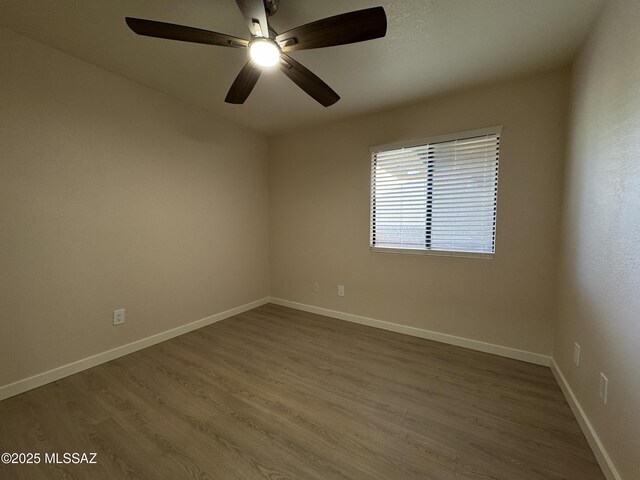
[271, 6]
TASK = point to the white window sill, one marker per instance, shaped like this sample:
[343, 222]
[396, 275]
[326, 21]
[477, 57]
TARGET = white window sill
[437, 253]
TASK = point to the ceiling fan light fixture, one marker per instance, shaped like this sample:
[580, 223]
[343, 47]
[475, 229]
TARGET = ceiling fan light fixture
[264, 52]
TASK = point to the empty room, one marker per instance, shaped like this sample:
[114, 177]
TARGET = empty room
[337, 240]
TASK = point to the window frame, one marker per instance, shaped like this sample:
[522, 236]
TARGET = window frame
[495, 130]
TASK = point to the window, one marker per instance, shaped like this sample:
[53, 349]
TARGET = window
[437, 195]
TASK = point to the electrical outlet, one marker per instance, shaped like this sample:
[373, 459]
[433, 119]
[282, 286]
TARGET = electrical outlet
[316, 287]
[118, 317]
[604, 388]
[576, 354]
[341, 290]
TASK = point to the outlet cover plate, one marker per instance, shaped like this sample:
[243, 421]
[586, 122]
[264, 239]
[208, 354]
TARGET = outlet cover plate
[118, 316]
[604, 388]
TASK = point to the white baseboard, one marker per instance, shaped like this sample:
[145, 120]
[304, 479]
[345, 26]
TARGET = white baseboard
[40, 379]
[607, 466]
[500, 350]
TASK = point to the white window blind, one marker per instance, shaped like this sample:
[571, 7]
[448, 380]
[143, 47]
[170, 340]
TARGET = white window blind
[436, 195]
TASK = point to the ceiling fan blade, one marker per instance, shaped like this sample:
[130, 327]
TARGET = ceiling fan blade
[308, 81]
[244, 83]
[151, 28]
[254, 12]
[349, 27]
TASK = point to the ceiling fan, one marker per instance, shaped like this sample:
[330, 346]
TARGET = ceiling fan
[269, 49]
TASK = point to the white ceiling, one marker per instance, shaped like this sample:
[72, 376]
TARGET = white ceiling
[431, 46]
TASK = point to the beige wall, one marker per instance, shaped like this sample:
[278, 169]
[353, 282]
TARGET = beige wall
[115, 196]
[319, 228]
[600, 301]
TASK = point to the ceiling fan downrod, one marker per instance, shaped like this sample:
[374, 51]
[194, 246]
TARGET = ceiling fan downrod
[271, 6]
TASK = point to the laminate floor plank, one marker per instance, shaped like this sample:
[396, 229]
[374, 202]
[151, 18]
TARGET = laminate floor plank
[280, 394]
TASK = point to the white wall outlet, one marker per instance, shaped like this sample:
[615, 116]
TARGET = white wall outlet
[316, 287]
[341, 290]
[118, 317]
[604, 388]
[576, 354]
